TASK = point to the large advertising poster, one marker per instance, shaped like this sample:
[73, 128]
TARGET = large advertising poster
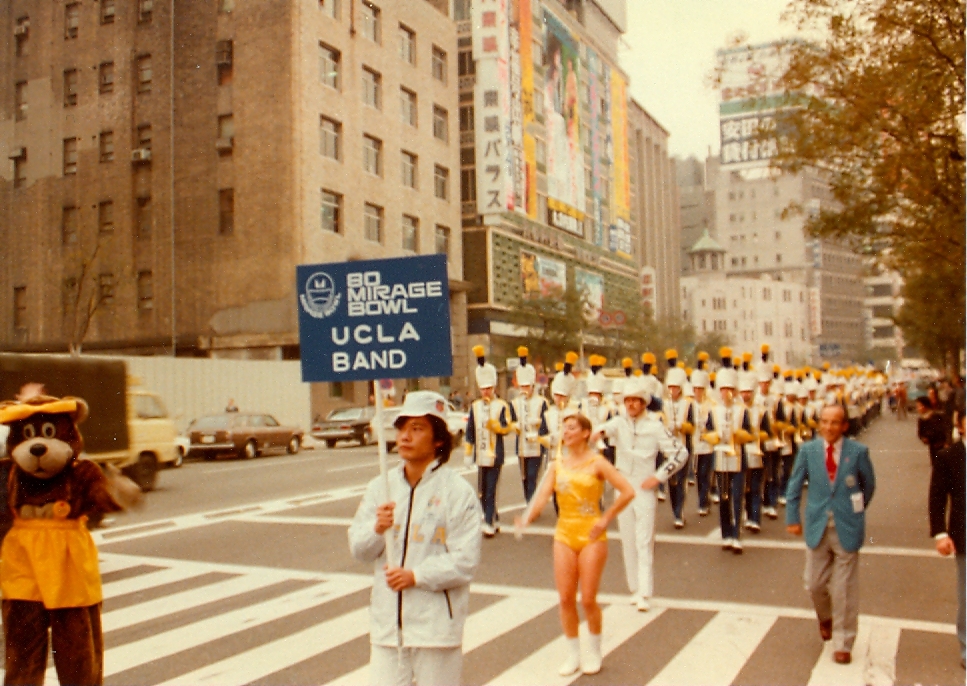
[565, 159]
[599, 99]
[619, 125]
[591, 287]
[542, 277]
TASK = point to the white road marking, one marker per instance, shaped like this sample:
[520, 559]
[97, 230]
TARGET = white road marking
[717, 653]
[268, 658]
[146, 581]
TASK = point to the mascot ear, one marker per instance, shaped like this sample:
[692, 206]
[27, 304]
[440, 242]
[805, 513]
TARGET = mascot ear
[82, 412]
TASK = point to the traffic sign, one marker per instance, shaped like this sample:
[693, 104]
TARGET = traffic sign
[375, 319]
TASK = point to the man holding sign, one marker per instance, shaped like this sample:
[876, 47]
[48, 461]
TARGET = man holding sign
[420, 597]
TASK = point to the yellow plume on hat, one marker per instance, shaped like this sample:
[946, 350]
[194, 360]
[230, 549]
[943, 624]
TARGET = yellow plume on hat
[558, 366]
[681, 364]
[765, 348]
[776, 368]
[627, 362]
[648, 358]
[703, 356]
[747, 357]
[671, 354]
[571, 358]
[725, 352]
[522, 351]
[478, 350]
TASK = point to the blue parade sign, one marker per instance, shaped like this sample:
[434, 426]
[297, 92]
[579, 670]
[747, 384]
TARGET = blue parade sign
[375, 319]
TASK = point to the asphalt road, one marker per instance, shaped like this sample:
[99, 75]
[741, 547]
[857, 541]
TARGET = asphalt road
[238, 572]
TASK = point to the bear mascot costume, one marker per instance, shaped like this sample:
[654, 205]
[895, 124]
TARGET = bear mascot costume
[49, 574]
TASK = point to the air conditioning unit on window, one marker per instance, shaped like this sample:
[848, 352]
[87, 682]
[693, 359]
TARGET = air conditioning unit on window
[146, 6]
[225, 144]
[108, 11]
[17, 153]
[141, 155]
[21, 29]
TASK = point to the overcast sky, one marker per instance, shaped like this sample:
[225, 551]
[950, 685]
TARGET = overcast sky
[670, 52]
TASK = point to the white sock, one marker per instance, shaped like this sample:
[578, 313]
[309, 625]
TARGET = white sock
[572, 662]
[574, 647]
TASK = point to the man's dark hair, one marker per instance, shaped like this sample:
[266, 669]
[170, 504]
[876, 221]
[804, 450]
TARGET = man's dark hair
[441, 434]
[925, 401]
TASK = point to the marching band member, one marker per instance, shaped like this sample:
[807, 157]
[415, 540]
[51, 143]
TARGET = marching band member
[728, 437]
[638, 437]
[679, 416]
[756, 422]
[596, 406]
[562, 388]
[529, 408]
[703, 449]
[488, 425]
[627, 365]
[649, 365]
[791, 413]
[765, 404]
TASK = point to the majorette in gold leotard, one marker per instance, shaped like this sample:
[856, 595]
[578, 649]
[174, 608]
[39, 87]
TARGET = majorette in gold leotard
[579, 494]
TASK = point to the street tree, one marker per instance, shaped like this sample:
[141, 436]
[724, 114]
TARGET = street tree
[879, 113]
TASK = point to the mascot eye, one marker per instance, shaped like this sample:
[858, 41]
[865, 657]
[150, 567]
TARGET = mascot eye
[48, 430]
[30, 431]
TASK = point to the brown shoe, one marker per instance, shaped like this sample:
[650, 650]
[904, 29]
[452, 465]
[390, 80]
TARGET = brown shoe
[825, 629]
[842, 657]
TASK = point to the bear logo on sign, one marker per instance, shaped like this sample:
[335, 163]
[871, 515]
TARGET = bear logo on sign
[319, 297]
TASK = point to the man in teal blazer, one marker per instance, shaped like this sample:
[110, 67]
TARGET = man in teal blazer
[841, 484]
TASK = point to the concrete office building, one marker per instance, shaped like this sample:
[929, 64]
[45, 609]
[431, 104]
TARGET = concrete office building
[696, 201]
[553, 194]
[181, 187]
[751, 201]
[882, 302]
[655, 212]
[748, 311]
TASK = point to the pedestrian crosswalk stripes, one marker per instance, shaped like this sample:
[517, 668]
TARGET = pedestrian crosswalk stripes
[144, 636]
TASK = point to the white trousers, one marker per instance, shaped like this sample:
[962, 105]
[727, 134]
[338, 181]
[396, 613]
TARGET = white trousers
[420, 666]
[636, 523]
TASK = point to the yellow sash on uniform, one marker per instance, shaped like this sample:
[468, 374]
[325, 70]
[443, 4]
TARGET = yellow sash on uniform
[53, 561]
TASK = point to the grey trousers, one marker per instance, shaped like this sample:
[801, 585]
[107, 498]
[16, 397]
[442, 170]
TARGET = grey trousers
[832, 579]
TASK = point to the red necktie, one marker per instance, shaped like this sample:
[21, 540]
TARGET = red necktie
[830, 464]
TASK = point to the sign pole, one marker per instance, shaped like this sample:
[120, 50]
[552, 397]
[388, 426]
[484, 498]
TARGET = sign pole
[383, 467]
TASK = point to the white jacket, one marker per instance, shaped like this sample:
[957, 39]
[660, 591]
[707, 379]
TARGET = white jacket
[637, 442]
[441, 519]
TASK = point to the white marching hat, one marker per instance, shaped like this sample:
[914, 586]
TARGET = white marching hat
[746, 382]
[563, 384]
[726, 378]
[637, 387]
[699, 378]
[485, 373]
[526, 375]
[598, 383]
[676, 377]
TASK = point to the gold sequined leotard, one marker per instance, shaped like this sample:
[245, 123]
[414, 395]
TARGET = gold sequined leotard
[578, 499]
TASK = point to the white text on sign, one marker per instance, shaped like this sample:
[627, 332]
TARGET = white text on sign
[369, 297]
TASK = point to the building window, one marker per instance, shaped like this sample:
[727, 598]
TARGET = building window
[20, 171]
[468, 185]
[107, 11]
[372, 155]
[372, 88]
[70, 87]
[408, 107]
[20, 33]
[226, 6]
[144, 11]
[373, 222]
[439, 64]
[106, 146]
[226, 211]
[441, 182]
[440, 124]
[72, 19]
[410, 233]
[330, 138]
[105, 217]
[105, 77]
[786, 295]
[409, 169]
[144, 136]
[20, 307]
[329, 66]
[441, 236]
[540, 151]
[767, 294]
[370, 21]
[787, 330]
[767, 328]
[70, 156]
[105, 287]
[224, 59]
[144, 73]
[331, 211]
[407, 45]
[69, 220]
[330, 8]
[20, 101]
[142, 218]
[145, 291]
[539, 103]
[466, 118]
[465, 63]
[335, 389]
[226, 134]
[468, 157]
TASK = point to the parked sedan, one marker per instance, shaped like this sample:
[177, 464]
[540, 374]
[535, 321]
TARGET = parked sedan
[347, 423]
[243, 434]
[456, 423]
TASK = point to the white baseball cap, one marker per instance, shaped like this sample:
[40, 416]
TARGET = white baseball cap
[422, 404]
